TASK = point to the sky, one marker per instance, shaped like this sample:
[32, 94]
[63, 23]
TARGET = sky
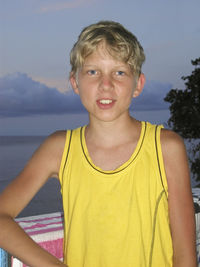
[36, 37]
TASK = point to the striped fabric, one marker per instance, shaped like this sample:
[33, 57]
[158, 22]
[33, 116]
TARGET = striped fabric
[47, 231]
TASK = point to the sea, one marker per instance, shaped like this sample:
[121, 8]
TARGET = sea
[15, 151]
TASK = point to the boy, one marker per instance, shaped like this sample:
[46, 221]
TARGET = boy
[125, 184]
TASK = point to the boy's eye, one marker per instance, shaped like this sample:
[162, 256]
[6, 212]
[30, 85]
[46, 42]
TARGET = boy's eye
[120, 73]
[92, 72]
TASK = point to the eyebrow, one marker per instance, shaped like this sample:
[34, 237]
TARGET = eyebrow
[89, 65]
[93, 65]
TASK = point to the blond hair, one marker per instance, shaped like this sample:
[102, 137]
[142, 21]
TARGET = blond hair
[120, 44]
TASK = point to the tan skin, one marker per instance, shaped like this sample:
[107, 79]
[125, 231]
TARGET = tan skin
[108, 149]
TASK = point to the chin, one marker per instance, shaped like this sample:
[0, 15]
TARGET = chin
[106, 117]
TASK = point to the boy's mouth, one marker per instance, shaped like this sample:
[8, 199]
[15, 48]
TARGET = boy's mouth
[105, 101]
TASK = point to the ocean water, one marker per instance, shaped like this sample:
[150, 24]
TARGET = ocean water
[15, 151]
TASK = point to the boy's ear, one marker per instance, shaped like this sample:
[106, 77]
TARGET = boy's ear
[74, 83]
[140, 85]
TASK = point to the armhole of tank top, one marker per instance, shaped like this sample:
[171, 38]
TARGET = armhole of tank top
[65, 155]
[160, 159]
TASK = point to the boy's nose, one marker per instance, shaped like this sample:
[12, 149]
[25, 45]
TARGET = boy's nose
[106, 83]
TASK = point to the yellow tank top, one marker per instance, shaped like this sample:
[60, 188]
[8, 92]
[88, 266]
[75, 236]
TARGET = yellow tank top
[116, 218]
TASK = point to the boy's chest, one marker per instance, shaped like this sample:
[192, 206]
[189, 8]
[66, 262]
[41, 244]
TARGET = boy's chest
[111, 158]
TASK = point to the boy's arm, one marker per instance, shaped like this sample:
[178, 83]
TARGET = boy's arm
[181, 207]
[44, 164]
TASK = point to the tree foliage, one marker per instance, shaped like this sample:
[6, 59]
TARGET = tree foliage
[185, 114]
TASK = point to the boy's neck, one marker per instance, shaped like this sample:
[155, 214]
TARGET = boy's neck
[113, 133]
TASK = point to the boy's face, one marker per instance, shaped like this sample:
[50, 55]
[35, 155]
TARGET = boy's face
[106, 86]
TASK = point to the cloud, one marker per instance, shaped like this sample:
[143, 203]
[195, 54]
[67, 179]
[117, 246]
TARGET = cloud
[63, 5]
[20, 95]
[62, 84]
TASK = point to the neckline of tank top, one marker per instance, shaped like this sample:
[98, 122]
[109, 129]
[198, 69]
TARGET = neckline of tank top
[125, 164]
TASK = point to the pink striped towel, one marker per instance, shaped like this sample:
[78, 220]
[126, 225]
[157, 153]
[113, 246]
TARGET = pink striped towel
[46, 230]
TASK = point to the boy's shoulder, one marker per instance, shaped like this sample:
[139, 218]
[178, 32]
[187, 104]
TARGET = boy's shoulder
[57, 136]
[54, 142]
[171, 142]
[61, 135]
[170, 137]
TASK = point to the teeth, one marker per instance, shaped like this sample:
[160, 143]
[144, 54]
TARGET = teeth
[105, 101]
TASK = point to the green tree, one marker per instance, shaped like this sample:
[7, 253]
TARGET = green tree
[185, 114]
